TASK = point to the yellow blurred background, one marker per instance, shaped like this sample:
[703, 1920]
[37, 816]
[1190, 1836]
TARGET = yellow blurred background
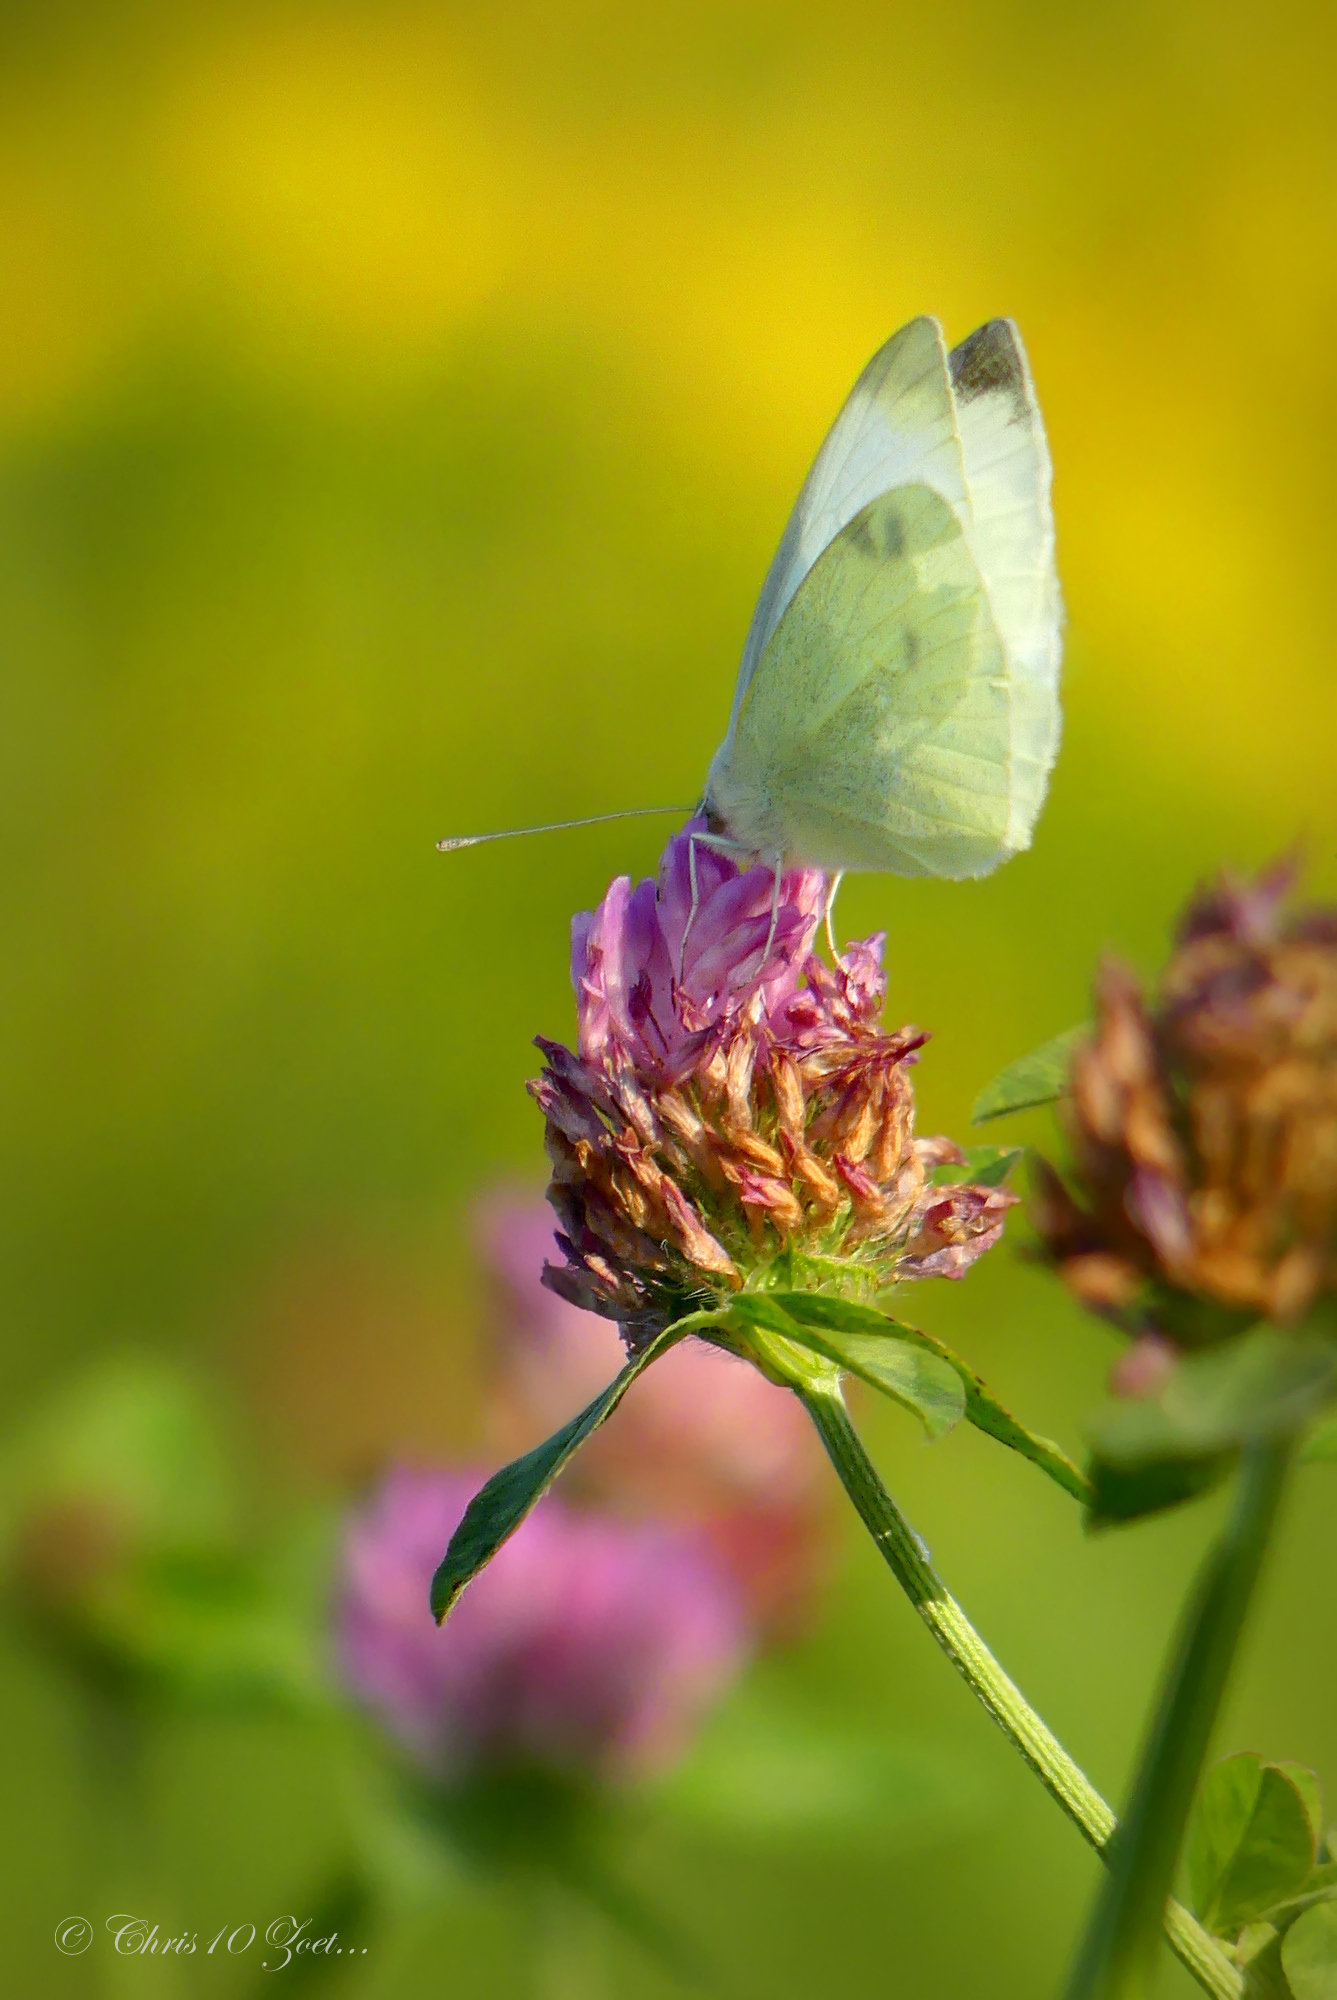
[398, 408]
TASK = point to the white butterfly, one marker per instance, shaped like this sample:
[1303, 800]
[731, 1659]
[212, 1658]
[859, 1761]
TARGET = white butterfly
[897, 704]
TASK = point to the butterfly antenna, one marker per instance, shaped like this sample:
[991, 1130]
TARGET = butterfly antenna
[458, 840]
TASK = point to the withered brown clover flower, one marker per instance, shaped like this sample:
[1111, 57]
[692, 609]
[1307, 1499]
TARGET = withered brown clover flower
[733, 1112]
[1202, 1124]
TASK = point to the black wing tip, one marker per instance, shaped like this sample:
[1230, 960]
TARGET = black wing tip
[991, 361]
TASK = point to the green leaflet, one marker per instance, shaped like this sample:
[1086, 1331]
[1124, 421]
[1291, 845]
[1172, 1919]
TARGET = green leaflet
[1122, 1493]
[1261, 1385]
[496, 1511]
[1037, 1078]
[1306, 1784]
[984, 1166]
[1309, 1953]
[1251, 1841]
[920, 1382]
[1152, 1453]
[982, 1407]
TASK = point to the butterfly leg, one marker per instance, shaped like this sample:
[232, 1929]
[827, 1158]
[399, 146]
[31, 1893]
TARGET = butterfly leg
[778, 868]
[834, 884]
[695, 905]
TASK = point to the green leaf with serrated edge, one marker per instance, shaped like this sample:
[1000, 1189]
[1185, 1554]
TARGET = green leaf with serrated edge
[983, 1408]
[921, 1382]
[1307, 1785]
[983, 1166]
[1309, 1953]
[496, 1511]
[1263, 1385]
[1273, 1858]
[1250, 1842]
[1037, 1078]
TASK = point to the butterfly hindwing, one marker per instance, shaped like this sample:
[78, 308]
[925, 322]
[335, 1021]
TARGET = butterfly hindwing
[879, 720]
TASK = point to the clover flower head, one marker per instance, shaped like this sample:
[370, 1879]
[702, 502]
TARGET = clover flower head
[589, 1646]
[707, 1127]
[654, 980]
[1202, 1125]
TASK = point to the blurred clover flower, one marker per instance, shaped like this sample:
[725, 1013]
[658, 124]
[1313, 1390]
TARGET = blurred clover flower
[748, 1120]
[126, 1553]
[119, 1471]
[591, 1646]
[703, 1441]
[1202, 1193]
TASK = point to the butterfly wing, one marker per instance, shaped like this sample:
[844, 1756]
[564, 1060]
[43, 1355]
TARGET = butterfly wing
[876, 732]
[950, 660]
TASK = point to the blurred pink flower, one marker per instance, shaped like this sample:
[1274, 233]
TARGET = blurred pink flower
[1144, 1368]
[588, 1644]
[703, 1440]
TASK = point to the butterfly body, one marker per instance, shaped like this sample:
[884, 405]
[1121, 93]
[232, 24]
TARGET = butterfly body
[897, 703]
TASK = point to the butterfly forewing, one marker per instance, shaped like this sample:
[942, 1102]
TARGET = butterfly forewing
[1010, 527]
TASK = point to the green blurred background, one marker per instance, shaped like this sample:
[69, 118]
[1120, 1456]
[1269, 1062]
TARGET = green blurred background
[398, 408]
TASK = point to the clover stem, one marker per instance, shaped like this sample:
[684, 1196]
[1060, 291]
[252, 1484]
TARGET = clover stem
[1065, 1782]
[1118, 1955]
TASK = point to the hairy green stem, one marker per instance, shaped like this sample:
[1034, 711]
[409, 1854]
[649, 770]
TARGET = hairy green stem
[1118, 1956]
[1066, 1783]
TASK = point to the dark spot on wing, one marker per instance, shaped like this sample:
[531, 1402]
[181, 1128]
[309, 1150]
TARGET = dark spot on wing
[989, 362]
[893, 533]
[860, 532]
[877, 530]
